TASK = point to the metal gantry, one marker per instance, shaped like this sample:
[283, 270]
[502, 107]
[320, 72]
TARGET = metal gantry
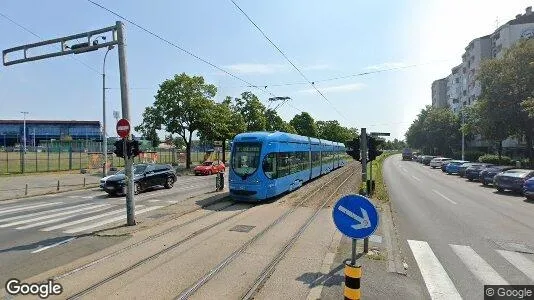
[25, 53]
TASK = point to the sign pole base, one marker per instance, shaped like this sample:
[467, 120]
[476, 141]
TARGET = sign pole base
[352, 281]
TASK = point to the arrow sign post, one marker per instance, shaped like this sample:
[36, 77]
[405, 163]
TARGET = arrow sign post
[356, 217]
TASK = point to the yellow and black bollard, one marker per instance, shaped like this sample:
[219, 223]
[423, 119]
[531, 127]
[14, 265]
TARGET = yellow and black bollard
[352, 281]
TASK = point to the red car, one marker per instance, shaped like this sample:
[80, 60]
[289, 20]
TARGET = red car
[209, 167]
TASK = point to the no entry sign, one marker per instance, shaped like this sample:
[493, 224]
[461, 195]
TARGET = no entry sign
[123, 128]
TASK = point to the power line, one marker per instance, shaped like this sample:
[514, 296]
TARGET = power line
[36, 35]
[285, 56]
[178, 47]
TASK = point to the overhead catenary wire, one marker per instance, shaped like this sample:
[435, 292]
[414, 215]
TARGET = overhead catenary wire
[287, 58]
[142, 28]
[38, 36]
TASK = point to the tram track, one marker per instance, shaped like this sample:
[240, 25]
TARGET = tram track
[265, 273]
[95, 286]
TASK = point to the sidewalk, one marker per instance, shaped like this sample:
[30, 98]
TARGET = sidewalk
[383, 273]
[12, 187]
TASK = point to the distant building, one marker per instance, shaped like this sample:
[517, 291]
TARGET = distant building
[462, 87]
[12, 131]
[439, 93]
[522, 27]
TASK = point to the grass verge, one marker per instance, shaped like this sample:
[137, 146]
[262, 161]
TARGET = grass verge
[380, 191]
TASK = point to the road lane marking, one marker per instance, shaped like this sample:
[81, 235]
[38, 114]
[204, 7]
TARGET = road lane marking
[53, 245]
[444, 197]
[42, 213]
[114, 212]
[438, 283]
[69, 212]
[46, 222]
[416, 178]
[27, 207]
[404, 170]
[519, 261]
[478, 266]
[78, 229]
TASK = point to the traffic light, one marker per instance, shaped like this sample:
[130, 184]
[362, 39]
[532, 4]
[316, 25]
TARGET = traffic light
[372, 147]
[133, 148]
[119, 148]
[354, 149]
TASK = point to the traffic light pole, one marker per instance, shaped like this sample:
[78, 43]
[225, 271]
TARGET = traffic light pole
[363, 147]
[128, 168]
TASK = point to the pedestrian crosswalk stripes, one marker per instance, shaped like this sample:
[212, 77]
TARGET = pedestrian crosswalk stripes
[63, 225]
[439, 283]
[478, 266]
[94, 209]
[49, 216]
[520, 262]
[40, 213]
[66, 217]
[123, 217]
[27, 207]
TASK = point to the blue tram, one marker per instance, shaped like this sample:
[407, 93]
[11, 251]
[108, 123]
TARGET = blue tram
[267, 164]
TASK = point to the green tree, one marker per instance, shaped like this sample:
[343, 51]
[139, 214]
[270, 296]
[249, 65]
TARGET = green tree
[148, 128]
[226, 123]
[333, 131]
[508, 88]
[304, 125]
[252, 110]
[181, 107]
[435, 131]
[276, 123]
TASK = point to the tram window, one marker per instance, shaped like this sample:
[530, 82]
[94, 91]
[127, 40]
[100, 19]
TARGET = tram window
[283, 164]
[269, 165]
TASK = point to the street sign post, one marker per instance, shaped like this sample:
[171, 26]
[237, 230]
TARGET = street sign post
[123, 128]
[356, 217]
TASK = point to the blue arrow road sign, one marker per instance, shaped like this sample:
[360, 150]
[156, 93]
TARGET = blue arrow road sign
[355, 216]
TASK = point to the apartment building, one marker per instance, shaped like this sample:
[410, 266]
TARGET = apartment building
[439, 92]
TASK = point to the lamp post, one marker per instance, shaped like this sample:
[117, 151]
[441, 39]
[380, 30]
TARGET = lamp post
[104, 133]
[24, 113]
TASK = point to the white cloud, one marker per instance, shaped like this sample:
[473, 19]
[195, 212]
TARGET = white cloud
[337, 88]
[256, 68]
[387, 65]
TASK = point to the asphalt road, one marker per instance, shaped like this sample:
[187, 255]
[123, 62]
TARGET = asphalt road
[39, 233]
[458, 236]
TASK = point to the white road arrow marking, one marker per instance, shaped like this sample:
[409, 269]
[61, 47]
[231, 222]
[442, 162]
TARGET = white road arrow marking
[363, 222]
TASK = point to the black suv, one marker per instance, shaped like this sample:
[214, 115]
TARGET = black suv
[146, 176]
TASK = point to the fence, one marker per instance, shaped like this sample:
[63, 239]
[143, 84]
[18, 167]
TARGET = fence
[67, 159]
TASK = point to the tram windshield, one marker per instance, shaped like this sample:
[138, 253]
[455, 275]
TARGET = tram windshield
[246, 158]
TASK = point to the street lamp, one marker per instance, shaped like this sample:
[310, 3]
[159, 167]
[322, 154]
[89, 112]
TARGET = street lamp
[24, 113]
[104, 133]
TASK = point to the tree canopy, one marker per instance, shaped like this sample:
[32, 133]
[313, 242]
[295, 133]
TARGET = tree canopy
[304, 124]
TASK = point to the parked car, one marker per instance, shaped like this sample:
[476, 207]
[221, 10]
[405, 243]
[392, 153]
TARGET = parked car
[453, 167]
[444, 166]
[473, 172]
[146, 176]
[513, 179]
[415, 155]
[487, 174]
[420, 158]
[438, 161]
[104, 179]
[209, 167]
[427, 159]
[463, 167]
[528, 188]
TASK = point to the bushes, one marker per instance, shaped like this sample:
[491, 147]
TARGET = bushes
[494, 159]
[472, 155]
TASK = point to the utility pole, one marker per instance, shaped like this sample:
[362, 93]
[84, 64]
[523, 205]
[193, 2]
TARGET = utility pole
[363, 146]
[463, 138]
[65, 46]
[128, 169]
[104, 133]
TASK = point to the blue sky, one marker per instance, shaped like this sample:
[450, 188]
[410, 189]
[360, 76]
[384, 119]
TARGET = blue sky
[323, 38]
